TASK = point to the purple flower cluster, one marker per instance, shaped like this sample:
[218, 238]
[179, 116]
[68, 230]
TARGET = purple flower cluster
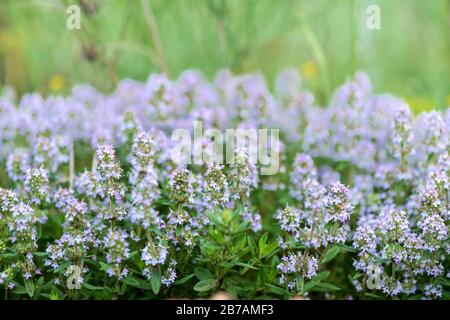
[366, 175]
[318, 220]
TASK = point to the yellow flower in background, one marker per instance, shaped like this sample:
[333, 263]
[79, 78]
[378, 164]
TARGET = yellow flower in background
[448, 101]
[56, 83]
[309, 69]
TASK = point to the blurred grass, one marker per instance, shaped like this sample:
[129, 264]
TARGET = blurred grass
[326, 39]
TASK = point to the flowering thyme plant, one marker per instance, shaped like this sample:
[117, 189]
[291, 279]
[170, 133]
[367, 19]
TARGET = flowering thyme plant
[95, 203]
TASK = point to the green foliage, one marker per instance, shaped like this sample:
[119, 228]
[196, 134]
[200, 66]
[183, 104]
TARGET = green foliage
[327, 40]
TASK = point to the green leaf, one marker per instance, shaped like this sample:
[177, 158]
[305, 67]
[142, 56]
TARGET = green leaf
[137, 283]
[347, 248]
[19, 289]
[246, 265]
[163, 201]
[131, 281]
[266, 248]
[40, 254]
[316, 280]
[251, 243]
[310, 285]
[185, 279]
[330, 254]
[322, 275]
[91, 287]
[263, 243]
[132, 254]
[445, 295]
[47, 285]
[277, 290]
[269, 250]
[328, 286]
[444, 281]
[355, 276]
[373, 295]
[210, 250]
[40, 282]
[205, 285]
[62, 267]
[104, 266]
[155, 281]
[54, 295]
[300, 283]
[203, 274]
[29, 286]
[415, 297]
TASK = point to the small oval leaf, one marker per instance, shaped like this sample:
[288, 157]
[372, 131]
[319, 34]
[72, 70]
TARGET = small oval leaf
[330, 254]
[205, 285]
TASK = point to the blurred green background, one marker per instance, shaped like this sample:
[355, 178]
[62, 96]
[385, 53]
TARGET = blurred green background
[327, 40]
